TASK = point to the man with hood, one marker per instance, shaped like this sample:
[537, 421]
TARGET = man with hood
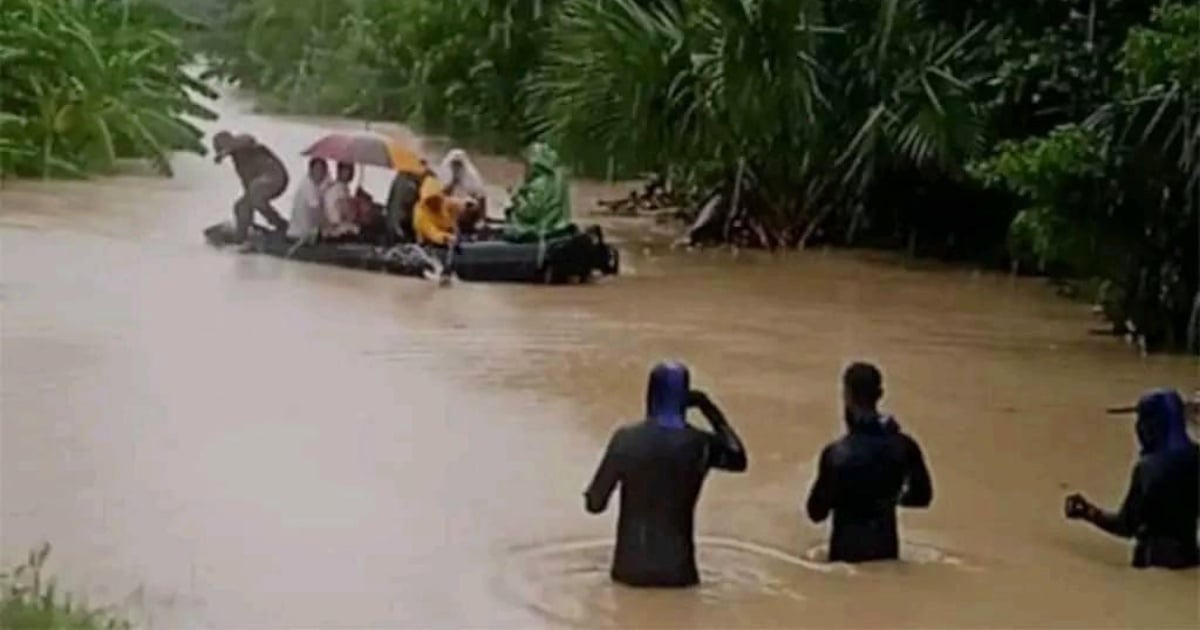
[1162, 505]
[541, 205]
[865, 475]
[263, 177]
[660, 464]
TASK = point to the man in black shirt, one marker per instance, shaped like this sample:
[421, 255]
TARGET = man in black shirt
[1162, 504]
[866, 474]
[660, 464]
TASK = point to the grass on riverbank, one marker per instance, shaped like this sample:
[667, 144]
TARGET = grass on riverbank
[31, 601]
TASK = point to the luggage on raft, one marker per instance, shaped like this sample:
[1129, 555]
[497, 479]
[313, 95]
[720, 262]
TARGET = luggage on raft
[571, 256]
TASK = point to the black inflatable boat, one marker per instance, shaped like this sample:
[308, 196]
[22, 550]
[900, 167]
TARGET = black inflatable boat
[575, 256]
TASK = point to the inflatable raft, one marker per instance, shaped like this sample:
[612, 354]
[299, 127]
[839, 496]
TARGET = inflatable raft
[576, 256]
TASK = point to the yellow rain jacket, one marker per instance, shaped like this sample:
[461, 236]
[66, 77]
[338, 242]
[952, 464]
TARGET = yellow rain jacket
[435, 218]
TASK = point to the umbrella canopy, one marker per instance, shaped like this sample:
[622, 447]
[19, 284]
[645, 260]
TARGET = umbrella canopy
[368, 149]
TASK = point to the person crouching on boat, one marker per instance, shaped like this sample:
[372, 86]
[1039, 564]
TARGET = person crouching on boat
[307, 208]
[339, 206]
[263, 177]
[435, 219]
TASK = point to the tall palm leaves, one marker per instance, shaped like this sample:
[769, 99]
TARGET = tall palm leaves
[87, 83]
[806, 100]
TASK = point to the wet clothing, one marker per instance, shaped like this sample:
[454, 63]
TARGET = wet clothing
[258, 196]
[435, 223]
[1162, 505]
[461, 177]
[264, 178]
[542, 204]
[861, 479]
[401, 200]
[339, 210]
[307, 210]
[660, 465]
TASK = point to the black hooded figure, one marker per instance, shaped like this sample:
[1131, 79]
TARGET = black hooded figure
[1162, 504]
[863, 476]
[660, 464]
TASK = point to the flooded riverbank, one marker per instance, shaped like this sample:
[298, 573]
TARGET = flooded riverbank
[223, 441]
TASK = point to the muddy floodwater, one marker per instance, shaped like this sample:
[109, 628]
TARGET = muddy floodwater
[223, 441]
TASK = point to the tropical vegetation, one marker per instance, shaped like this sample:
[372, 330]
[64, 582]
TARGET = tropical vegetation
[29, 600]
[1058, 136]
[86, 83]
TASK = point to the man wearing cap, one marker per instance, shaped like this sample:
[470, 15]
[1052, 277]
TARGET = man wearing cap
[1162, 505]
[263, 176]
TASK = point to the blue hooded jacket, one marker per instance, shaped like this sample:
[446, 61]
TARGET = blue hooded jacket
[667, 395]
[1162, 422]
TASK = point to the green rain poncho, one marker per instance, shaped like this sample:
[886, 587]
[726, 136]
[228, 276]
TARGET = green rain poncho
[541, 206]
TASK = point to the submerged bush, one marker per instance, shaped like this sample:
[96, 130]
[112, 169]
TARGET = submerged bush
[86, 83]
[31, 601]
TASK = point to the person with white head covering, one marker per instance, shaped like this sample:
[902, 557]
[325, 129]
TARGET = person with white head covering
[461, 177]
[463, 180]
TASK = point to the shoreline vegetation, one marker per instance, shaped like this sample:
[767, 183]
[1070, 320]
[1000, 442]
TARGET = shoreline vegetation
[29, 600]
[1059, 139]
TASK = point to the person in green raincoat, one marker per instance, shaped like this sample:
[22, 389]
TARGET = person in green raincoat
[541, 206]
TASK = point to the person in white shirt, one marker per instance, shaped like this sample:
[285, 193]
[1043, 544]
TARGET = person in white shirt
[307, 207]
[339, 204]
[464, 180]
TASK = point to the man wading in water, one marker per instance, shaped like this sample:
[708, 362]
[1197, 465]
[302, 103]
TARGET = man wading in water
[866, 474]
[1162, 504]
[660, 464]
[264, 178]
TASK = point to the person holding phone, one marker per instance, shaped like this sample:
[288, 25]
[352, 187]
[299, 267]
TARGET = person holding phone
[660, 464]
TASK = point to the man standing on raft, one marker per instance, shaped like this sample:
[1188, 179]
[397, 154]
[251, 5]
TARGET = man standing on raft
[263, 176]
[661, 464]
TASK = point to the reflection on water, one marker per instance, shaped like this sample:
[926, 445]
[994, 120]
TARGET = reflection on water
[227, 441]
[568, 583]
[910, 552]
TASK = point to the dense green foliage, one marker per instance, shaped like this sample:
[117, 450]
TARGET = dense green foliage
[1117, 195]
[30, 601]
[1060, 135]
[445, 65]
[87, 83]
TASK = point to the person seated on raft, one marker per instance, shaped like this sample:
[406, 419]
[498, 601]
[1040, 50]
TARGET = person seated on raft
[340, 206]
[307, 208]
[465, 183]
[866, 474]
[541, 205]
[403, 195]
[1162, 505]
[471, 219]
[435, 219]
[462, 178]
[660, 464]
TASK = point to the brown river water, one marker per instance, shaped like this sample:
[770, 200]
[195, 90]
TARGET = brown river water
[223, 441]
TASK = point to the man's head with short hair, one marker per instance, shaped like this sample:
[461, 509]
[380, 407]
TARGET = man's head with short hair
[345, 172]
[221, 141]
[862, 386]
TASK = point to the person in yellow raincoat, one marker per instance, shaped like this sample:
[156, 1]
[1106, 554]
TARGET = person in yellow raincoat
[435, 219]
